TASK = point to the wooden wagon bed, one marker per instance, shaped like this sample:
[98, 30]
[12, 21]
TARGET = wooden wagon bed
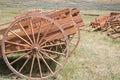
[67, 18]
[37, 34]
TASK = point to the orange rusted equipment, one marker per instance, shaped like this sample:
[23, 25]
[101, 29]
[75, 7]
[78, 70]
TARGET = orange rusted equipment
[109, 23]
[40, 38]
[100, 22]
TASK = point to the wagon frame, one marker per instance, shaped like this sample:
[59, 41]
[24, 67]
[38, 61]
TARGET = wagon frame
[37, 36]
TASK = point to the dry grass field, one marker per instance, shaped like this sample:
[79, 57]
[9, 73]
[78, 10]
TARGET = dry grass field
[97, 56]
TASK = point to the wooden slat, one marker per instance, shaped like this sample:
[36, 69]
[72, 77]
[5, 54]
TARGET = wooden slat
[77, 17]
[68, 31]
[58, 13]
[36, 20]
[52, 15]
[43, 29]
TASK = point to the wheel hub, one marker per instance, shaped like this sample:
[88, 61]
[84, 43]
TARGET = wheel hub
[35, 48]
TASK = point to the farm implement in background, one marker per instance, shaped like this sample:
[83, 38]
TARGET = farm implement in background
[109, 23]
[40, 38]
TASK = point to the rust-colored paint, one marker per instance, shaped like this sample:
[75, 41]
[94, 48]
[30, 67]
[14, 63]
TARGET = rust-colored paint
[109, 23]
[66, 17]
[99, 22]
[35, 33]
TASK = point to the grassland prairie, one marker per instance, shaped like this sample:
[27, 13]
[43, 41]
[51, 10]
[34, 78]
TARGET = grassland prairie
[97, 56]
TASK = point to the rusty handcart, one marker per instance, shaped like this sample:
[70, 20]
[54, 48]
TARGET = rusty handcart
[40, 36]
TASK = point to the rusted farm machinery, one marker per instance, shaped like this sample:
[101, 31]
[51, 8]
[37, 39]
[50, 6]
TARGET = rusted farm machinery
[109, 23]
[38, 37]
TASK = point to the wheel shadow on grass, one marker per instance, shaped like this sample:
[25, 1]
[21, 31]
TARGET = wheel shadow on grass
[5, 71]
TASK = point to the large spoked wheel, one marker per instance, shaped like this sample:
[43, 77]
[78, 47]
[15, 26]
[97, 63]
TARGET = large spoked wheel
[31, 45]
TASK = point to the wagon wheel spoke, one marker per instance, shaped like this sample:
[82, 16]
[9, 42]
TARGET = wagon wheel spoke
[73, 43]
[10, 42]
[25, 32]
[46, 45]
[53, 45]
[39, 66]
[20, 37]
[60, 46]
[20, 57]
[22, 50]
[49, 39]
[51, 58]
[45, 63]
[24, 64]
[38, 36]
[32, 65]
[58, 53]
[31, 24]
[44, 35]
[56, 48]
